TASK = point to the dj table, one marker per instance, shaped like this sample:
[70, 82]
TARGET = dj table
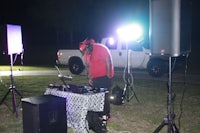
[77, 106]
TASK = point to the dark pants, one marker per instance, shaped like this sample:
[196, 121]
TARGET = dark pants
[95, 118]
[95, 123]
[104, 82]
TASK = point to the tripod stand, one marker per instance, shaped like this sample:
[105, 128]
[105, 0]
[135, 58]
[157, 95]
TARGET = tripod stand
[169, 120]
[128, 92]
[12, 89]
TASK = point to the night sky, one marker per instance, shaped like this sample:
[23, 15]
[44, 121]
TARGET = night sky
[56, 24]
[62, 18]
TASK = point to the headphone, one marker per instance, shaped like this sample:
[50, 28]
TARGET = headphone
[89, 47]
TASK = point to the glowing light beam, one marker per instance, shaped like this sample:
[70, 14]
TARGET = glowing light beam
[133, 32]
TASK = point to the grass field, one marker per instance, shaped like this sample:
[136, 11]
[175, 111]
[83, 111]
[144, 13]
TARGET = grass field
[131, 117]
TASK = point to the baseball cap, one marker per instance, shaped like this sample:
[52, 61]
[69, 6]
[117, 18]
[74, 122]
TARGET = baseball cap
[83, 44]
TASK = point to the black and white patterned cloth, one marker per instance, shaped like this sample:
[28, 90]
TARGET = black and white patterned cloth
[77, 106]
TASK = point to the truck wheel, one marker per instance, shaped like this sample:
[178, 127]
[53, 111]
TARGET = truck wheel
[156, 68]
[76, 65]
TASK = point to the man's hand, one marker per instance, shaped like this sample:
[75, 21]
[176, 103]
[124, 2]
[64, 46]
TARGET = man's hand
[90, 82]
[108, 74]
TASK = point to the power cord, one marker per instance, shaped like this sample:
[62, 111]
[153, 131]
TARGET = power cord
[184, 90]
[130, 77]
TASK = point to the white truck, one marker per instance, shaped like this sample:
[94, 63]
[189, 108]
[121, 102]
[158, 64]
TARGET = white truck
[139, 58]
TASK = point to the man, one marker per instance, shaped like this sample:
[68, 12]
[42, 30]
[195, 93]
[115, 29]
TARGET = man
[99, 66]
[98, 62]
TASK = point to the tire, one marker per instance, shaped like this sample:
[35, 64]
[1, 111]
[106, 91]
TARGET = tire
[156, 67]
[76, 65]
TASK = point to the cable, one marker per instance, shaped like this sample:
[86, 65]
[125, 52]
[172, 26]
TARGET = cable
[184, 90]
[173, 65]
[130, 77]
[22, 57]
[15, 59]
[86, 127]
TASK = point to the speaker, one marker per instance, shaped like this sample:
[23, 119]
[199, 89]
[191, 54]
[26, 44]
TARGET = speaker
[117, 97]
[11, 39]
[170, 27]
[44, 114]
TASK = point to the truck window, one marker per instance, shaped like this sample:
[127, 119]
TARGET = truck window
[124, 46]
[135, 47]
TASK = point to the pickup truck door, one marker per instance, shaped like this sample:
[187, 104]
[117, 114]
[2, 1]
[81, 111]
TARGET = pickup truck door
[118, 50]
[119, 58]
[119, 55]
[138, 57]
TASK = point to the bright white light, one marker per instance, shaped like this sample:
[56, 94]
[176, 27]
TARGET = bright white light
[111, 41]
[131, 32]
[112, 97]
[14, 39]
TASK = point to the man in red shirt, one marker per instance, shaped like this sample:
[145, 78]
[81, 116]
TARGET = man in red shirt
[99, 66]
[98, 62]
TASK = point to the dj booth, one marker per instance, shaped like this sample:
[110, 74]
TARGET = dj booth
[77, 106]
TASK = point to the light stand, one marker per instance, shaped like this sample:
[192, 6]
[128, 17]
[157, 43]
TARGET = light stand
[12, 89]
[128, 92]
[169, 120]
[132, 32]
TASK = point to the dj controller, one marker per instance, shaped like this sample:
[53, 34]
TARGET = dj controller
[77, 89]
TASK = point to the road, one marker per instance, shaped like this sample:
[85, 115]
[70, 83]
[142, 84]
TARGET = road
[137, 75]
[28, 73]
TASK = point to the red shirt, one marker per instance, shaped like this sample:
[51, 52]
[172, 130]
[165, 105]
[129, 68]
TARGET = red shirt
[97, 61]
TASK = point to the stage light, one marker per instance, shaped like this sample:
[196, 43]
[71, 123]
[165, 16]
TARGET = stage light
[132, 32]
[11, 35]
[129, 33]
[14, 39]
[111, 41]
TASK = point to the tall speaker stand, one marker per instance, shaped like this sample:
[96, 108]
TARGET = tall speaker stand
[169, 119]
[12, 89]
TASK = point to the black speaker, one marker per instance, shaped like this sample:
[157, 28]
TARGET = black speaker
[170, 27]
[117, 97]
[44, 114]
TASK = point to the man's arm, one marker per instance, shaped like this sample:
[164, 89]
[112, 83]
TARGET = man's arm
[87, 69]
[87, 72]
[108, 67]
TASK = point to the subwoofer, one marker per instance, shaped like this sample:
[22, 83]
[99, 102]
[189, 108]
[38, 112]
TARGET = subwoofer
[44, 114]
[170, 27]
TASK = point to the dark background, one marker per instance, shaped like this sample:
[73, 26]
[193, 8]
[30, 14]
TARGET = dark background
[49, 25]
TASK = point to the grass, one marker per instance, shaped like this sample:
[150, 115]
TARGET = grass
[131, 117]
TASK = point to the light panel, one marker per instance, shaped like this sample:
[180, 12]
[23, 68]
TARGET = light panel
[133, 32]
[14, 39]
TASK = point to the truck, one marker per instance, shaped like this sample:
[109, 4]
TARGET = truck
[132, 53]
